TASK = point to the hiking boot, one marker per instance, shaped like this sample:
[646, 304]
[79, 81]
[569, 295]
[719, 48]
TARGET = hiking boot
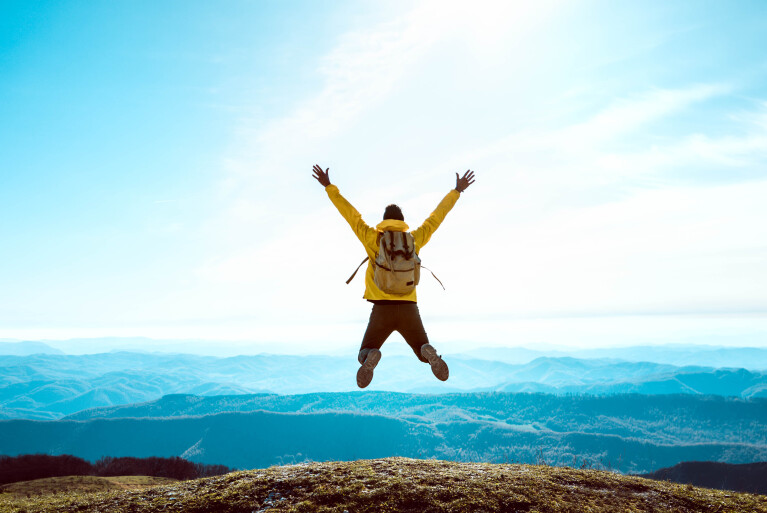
[365, 374]
[438, 365]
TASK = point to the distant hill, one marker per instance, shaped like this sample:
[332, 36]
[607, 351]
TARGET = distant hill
[679, 355]
[25, 348]
[631, 433]
[407, 486]
[751, 358]
[747, 477]
[33, 467]
[81, 484]
[569, 375]
[44, 386]
[238, 440]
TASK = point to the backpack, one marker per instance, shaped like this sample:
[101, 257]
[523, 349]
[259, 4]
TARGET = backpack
[397, 267]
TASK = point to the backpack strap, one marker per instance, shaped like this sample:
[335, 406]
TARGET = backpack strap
[366, 259]
[358, 268]
[407, 248]
[435, 276]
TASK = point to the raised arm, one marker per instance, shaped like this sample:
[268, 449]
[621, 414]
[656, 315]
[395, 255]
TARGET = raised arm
[423, 233]
[364, 233]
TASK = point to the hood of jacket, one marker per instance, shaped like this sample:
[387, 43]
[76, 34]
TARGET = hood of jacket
[392, 225]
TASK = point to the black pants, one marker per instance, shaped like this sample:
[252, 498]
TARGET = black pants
[384, 319]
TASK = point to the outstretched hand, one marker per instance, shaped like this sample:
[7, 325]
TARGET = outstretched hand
[461, 184]
[321, 176]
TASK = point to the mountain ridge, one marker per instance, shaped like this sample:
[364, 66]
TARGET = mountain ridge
[632, 433]
[54, 386]
[745, 477]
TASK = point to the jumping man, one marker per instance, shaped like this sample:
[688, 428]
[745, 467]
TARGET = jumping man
[394, 304]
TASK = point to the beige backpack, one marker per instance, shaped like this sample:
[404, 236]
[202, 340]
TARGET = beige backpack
[397, 267]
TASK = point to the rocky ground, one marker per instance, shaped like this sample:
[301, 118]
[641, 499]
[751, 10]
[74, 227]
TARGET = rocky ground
[403, 485]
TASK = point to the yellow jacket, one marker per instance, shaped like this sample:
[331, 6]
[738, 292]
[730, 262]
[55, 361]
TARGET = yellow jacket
[369, 236]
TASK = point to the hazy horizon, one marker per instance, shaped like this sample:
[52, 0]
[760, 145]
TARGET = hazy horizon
[394, 346]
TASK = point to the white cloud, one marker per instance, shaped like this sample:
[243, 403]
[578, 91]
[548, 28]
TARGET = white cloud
[573, 219]
[629, 114]
[565, 218]
[358, 75]
[595, 228]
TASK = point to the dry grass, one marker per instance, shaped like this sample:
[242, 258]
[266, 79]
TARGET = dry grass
[404, 485]
[81, 484]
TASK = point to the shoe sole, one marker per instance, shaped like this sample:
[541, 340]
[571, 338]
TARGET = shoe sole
[365, 373]
[438, 365]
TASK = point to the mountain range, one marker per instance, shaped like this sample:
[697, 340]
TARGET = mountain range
[680, 355]
[51, 386]
[630, 433]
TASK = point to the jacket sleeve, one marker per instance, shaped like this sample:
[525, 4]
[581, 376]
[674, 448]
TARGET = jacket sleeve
[423, 233]
[363, 232]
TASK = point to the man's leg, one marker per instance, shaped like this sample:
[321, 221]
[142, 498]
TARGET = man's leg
[411, 327]
[380, 326]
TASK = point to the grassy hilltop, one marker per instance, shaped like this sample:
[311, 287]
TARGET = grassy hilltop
[81, 484]
[403, 485]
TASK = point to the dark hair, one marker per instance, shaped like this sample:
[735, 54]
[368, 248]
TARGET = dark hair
[393, 212]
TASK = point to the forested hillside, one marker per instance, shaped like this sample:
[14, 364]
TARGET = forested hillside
[631, 433]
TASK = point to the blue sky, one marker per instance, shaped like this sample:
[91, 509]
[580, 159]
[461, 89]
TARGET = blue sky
[155, 162]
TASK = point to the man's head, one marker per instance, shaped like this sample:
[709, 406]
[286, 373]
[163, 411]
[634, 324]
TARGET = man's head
[393, 212]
